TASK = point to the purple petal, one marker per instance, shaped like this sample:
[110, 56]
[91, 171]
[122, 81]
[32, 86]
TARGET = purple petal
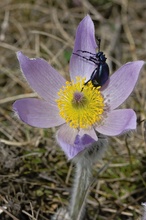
[122, 83]
[90, 132]
[71, 142]
[117, 122]
[37, 113]
[85, 40]
[43, 78]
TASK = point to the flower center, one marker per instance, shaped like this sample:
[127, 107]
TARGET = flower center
[81, 108]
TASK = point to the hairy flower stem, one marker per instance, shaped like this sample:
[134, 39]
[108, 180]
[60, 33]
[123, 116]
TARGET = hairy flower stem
[144, 211]
[80, 191]
[83, 176]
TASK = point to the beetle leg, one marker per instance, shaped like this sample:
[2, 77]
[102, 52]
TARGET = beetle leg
[94, 60]
[84, 51]
[81, 56]
[85, 84]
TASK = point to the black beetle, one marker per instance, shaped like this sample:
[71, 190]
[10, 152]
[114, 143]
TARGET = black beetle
[101, 73]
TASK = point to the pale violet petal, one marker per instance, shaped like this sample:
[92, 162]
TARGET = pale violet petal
[89, 132]
[71, 142]
[117, 122]
[43, 78]
[37, 113]
[85, 40]
[122, 83]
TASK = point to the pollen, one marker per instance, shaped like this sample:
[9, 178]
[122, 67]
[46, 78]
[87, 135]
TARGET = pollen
[81, 106]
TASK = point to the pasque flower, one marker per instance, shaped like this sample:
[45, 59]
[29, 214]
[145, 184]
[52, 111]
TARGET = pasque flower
[81, 111]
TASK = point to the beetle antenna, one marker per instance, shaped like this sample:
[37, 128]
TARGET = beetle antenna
[99, 41]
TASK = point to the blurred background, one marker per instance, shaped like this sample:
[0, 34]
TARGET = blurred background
[35, 176]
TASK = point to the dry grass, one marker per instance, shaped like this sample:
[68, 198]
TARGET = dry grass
[35, 177]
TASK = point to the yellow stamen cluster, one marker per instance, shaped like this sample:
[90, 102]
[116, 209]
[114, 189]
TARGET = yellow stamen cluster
[80, 105]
